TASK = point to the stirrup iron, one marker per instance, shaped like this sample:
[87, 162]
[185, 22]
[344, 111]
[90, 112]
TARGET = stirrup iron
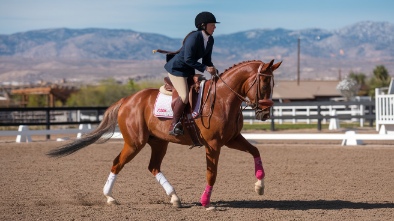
[177, 130]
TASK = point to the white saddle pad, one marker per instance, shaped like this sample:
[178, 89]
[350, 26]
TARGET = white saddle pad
[163, 106]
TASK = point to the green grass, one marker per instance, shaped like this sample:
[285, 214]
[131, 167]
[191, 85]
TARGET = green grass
[267, 126]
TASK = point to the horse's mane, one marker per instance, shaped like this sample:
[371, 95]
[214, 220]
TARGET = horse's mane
[239, 64]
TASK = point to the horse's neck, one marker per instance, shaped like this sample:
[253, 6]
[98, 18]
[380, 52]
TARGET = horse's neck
[238, 79]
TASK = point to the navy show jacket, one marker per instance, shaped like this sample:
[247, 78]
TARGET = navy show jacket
[186, 61]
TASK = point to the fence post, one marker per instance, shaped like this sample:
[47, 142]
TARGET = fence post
[362, 112]
[319, 119]
[280, 114]
[377, 108]
[294, 114]
[370, 113]
[272, 125]
[97, 115]
[308, 113]
[48, 123]
[272, 119]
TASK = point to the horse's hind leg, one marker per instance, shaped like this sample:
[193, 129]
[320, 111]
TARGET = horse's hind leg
[240, 143]
[128, 153]
[159, 149]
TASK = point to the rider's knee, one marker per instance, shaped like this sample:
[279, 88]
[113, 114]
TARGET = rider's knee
[184, 98]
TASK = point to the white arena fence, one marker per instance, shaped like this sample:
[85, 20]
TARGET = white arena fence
[318, 112]
[294, 112]
[308, 112]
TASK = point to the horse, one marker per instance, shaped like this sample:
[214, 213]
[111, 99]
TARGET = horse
[219, 124]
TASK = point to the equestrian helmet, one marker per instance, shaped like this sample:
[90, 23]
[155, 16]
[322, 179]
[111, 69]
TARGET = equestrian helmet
[204, 17]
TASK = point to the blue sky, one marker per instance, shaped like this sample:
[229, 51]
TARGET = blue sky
[175, 18]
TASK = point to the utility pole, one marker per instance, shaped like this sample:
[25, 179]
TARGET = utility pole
[339, 74]
[298, 62]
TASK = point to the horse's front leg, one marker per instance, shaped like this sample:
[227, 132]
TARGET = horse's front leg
[212, 158]
[240, 143]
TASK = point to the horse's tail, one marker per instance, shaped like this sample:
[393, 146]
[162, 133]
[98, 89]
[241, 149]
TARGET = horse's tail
[101, 134]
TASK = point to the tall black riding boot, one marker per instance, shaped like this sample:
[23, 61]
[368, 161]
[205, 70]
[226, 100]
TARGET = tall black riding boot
[176, 125]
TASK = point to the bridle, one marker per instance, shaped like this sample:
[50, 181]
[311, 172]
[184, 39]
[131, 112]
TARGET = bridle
[256, 82]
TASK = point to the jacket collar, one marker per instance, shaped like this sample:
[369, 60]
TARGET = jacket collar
[206, 38]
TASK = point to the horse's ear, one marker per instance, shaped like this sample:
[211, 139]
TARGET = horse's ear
[276, 66]
[271, 63]
[267, 65]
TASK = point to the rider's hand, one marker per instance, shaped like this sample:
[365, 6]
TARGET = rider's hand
[211, 70]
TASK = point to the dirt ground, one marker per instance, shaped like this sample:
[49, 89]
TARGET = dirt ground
[304, 181]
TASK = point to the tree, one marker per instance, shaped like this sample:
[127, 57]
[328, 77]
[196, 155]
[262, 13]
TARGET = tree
[380, 78]
[104, 94]
[360, 78]
[37, 101]
[107, 92]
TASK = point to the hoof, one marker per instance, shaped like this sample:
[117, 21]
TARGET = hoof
[176, 202]
[209, 208]
[111, 201]
[259, 187]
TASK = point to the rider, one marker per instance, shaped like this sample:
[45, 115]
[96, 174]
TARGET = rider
[197, 45]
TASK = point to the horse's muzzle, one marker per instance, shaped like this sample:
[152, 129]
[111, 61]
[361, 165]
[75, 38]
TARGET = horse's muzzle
[262, 112]
[262, 115]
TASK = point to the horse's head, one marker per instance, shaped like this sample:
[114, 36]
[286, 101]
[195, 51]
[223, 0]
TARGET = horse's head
[260, 94]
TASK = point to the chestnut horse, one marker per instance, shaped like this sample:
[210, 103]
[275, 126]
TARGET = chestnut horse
[219, 124]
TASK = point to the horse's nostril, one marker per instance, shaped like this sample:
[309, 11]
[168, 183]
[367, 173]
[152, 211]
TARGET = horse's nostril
[262, 114]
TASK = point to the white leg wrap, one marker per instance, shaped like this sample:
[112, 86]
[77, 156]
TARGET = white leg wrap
[107, 190]
[165, 184]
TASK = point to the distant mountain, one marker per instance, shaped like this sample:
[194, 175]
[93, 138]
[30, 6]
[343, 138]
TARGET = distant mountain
[76, 53]
[84, 44]
[364, 40]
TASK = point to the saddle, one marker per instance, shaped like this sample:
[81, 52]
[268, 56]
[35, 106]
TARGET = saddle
[189, 112]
